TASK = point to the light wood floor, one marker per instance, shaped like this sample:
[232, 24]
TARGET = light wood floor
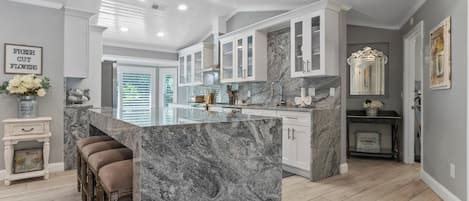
[367, 180]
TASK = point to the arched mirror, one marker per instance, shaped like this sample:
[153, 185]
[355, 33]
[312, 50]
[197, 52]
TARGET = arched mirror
[367, 72]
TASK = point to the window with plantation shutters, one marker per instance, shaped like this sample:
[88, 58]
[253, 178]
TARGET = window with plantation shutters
[136, 95]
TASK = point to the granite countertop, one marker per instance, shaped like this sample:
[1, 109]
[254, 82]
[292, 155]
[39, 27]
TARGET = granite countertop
[174, 116]
[264, 107]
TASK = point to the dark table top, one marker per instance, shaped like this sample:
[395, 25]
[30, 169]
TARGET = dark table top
[361, 114]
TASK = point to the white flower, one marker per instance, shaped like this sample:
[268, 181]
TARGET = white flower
[15, 82]
[37, 83]
[41, 92]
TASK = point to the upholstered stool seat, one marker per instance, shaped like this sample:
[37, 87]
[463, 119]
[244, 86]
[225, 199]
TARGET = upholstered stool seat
[90, 149]
[115, 180]
[81, 165]
[93, 139]
[100, 159]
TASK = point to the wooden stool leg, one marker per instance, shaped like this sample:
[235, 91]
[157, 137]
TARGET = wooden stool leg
[78, 171]
[99, 190]
[90, 184]
[83, 179]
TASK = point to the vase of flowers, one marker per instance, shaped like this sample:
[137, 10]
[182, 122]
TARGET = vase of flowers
[372, 107]
[26, 88]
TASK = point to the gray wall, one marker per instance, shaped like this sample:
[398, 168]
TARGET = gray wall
[444, 133]
[44, 27]
[378, 38]
[122, 51]
[243, 19]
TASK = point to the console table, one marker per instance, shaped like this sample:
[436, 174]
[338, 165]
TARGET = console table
[21, 130]
[384, 117]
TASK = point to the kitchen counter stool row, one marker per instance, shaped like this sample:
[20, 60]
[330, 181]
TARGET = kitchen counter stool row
[104, 169]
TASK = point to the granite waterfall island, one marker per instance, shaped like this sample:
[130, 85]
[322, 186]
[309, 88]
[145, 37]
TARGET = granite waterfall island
[197, 155]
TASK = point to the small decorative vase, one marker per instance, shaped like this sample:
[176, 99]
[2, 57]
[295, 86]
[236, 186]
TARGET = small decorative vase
[27, 107]
[372, 111]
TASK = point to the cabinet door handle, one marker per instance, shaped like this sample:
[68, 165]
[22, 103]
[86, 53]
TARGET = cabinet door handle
[27, 130]
[293, 134]
[288, 133]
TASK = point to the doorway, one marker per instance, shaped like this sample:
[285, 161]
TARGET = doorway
[167, 86]
[412, 94]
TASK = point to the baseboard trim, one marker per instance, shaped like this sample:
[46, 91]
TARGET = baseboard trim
[343, 168]
[53, 167]
[439, 189]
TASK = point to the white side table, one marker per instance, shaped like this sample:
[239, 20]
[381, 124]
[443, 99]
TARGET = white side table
[20, 130]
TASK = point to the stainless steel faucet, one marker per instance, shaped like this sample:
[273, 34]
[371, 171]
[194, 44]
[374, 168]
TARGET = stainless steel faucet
[282, 100]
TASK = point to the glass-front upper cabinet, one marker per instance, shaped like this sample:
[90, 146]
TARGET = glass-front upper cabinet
[310, 54]
[182, 71]
[198, 67]
[227, 60]
[193, 61]
[249, 58]
[189, 68]
[240, 69]
[297, 45]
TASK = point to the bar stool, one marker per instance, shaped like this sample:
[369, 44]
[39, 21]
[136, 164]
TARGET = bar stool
[80, 144]
[86, 152]
[115, 181]
[98, 160]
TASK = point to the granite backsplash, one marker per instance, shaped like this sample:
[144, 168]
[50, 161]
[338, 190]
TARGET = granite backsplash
[278, 51]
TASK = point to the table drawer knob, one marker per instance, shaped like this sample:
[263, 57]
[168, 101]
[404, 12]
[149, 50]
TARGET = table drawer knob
[27, 130]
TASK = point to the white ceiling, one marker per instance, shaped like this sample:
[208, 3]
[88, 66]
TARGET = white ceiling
[183, 28]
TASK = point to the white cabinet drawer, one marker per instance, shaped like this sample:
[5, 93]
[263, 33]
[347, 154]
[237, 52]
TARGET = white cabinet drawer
[266, 113]
[296, 118]
[27, 128]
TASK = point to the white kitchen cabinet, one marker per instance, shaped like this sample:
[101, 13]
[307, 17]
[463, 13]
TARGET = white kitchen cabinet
[300, 140]
[244, 57]
[296, 136]
[182, 70]
[76, 43]
[315, 44]
[192, 62]
[227, 73]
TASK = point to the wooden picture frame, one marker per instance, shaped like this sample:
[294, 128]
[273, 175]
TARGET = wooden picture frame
[22, 59]
[440, 56]
[28, 160]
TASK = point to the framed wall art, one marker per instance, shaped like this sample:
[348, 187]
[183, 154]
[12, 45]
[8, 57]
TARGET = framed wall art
[28, 160]
[22, 59]
[440, 56]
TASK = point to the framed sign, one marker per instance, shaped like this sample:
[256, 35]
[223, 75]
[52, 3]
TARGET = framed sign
[440, 63]
[22, 59]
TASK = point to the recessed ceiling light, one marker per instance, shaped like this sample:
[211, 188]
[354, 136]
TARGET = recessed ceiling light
[124, 29]
[142, 0]
[160, 34]
[182, 7]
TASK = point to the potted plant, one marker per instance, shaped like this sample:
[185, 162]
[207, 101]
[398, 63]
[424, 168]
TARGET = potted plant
[372, 107]
[26, 88]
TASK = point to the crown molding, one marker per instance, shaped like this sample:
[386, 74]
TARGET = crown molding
[97, 28]
[70, 11]
[41, 3]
